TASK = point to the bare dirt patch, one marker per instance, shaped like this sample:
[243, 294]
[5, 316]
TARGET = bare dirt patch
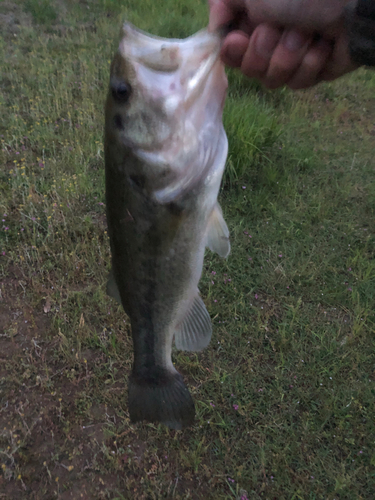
[37, 408]
[63, 430]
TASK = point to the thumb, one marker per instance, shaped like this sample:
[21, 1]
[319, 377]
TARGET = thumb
[220, 13]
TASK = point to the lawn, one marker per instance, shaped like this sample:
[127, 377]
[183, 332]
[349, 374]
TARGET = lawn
[285, 392]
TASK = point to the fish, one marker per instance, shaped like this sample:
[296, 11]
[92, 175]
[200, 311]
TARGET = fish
[165, 152]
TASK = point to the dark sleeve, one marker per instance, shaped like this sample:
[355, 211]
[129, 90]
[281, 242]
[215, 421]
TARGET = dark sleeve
[360, 19]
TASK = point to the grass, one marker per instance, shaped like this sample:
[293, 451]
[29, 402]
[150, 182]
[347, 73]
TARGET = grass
[285, 392]
[43, 11]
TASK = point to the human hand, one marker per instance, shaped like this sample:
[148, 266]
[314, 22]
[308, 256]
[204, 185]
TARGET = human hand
[283, 41]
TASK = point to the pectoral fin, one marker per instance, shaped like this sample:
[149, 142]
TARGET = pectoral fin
[112, 289]
[195, 330]
[218, 233]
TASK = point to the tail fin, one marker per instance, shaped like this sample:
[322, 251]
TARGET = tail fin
[160, 397]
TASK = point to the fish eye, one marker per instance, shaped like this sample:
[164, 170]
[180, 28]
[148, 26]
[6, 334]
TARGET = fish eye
[121, 91]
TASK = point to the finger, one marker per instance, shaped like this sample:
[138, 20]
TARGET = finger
[226, 12]
[339, 63]
[234, 48]
[309, 72]
[259, 52]
[286, 58]
[220, 13]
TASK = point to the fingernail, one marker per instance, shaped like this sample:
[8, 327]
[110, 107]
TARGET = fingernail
[293, 40]
[265, 44]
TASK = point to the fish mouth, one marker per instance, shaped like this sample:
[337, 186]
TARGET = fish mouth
[168, 54]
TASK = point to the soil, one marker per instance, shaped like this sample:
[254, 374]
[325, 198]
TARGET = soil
[37, 408]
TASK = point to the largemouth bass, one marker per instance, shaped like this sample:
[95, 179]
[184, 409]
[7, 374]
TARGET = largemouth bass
[165, 152]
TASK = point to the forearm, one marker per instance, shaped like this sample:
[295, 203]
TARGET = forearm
[308, 14]
[314, 15]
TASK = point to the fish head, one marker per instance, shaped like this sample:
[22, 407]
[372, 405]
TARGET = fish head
[164, 96]
[135, 100]
[153, 82]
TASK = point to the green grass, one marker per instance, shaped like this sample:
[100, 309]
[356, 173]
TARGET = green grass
[43, 11]
[285, 392]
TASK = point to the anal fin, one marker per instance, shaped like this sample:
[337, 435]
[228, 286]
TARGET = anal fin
[195, 330]
[218, 233]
